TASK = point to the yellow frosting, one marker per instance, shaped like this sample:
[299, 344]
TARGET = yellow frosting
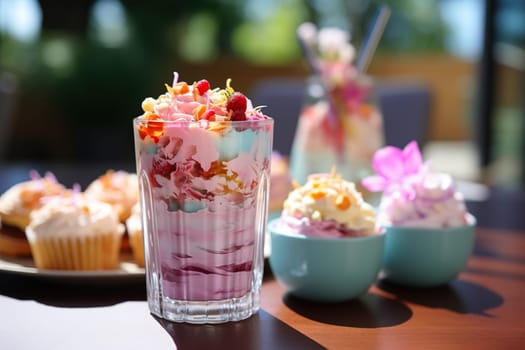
[328, 197]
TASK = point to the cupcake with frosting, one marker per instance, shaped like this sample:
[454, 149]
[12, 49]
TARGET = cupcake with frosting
[117, 188]
[134, 229]
[328, 206]
[72, 231]
[120, 189]
[16, 205]
[413, 194]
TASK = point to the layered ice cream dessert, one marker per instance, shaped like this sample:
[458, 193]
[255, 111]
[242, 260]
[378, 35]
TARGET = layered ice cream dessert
[327, 206]
[413, 194]
[203, 161]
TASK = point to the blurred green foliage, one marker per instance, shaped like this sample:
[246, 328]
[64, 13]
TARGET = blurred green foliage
[89, 82]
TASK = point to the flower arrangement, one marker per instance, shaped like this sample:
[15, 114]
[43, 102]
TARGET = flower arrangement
[341, 125]
[332, 58]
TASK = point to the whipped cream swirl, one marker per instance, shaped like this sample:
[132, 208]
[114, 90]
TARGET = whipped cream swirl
[328, 206]
[427, 200]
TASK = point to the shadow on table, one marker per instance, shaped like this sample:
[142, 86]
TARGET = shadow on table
[459, 296]
[367, 311]
[60, 293]
[261, 331]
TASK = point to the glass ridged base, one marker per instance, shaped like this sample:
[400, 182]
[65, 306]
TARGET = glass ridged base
[200, 312]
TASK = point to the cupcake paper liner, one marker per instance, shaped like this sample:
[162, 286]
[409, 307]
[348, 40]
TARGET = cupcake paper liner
[100, 252]
[137, 246]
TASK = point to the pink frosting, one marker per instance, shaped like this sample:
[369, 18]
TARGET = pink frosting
[427, 200]
[179, 144]
[189, 153]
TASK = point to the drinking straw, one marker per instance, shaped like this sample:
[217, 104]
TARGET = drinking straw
[304, 32]
[374, 35]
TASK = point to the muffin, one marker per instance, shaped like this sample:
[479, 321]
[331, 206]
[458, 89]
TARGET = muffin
[117, 188]
[75, 232]
[134, 229]
[328, 206]
[280, 184]
[16, 205]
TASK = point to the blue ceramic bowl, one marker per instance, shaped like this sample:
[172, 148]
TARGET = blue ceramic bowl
[426, 257]
[325, 269]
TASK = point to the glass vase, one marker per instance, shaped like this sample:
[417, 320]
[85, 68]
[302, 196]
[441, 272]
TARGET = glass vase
[339, 126]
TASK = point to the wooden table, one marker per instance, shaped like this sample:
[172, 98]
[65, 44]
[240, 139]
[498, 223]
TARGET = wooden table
[483, 309]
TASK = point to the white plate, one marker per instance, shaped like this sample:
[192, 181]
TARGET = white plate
[127, 270]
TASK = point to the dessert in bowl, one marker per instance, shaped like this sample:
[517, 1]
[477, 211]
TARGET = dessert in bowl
[429, 232]
[326, 246]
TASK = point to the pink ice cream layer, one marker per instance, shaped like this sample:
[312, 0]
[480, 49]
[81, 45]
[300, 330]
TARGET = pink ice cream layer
[206, 255]
[304, 226]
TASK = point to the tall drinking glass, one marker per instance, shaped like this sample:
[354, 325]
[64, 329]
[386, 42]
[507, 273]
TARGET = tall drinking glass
[204, 194]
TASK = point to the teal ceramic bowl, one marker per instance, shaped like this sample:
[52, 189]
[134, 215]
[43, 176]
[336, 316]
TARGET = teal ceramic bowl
[324, 269]
[426, 257]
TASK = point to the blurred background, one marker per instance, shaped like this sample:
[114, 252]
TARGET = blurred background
[73, 73]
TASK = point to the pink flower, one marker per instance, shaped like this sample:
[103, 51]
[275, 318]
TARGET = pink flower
[394, 168]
